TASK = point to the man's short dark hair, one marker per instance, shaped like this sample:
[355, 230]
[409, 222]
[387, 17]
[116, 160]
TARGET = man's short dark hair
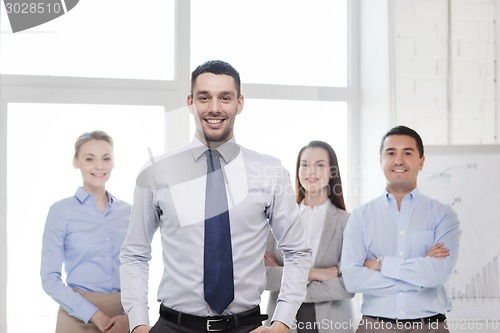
[403, 130]
[217, 67]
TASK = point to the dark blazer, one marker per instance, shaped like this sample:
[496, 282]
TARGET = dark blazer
[332, 301]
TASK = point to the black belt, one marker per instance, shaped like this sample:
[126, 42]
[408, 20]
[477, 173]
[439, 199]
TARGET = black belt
[438, 317]
[213, 323]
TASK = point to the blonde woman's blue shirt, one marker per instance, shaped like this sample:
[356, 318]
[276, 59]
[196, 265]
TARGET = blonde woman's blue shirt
[87, 241]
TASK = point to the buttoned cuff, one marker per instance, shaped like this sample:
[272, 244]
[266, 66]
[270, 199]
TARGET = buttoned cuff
[390, 267]
[285, 313]
[138, 316]
[86, 312]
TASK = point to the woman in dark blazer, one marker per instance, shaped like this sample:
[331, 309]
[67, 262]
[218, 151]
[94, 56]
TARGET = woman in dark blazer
[327, 306]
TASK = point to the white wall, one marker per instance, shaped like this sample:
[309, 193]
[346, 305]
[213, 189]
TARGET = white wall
[444, 72]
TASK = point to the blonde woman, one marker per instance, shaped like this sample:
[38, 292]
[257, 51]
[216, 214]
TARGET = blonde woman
[84, 234]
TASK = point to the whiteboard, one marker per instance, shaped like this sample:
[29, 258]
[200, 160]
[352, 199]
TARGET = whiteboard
[468, 178]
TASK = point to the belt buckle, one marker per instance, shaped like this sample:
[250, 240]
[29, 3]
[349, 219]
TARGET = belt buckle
[209, 324]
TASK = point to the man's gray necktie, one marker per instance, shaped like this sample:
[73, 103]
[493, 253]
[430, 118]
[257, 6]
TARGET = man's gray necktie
[218, 259]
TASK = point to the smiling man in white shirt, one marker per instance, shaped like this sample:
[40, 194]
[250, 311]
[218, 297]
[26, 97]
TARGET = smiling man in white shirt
[171, 195]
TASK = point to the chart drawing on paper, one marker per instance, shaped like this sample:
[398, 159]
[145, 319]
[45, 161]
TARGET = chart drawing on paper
[467, 178]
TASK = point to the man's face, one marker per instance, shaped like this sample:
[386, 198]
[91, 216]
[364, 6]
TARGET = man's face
[214, 104]
[401, 163]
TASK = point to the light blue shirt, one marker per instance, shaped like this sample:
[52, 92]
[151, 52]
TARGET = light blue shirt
[170, 195]
[88, 243]
[410, 285]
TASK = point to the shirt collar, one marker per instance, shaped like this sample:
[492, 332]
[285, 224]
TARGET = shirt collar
[228, 150]
[83, 195]
[319, 208]
[410, 196]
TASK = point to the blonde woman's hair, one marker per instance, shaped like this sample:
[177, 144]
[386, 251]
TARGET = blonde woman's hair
[94, 135]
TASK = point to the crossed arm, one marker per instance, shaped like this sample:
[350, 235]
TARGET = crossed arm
[437, 251]
[315, 274]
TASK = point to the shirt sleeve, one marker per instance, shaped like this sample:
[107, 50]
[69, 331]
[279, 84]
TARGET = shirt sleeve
[273, 273]
[284, 219]
[360, 279]
[429, 272]
[135, 256]
[51, 264]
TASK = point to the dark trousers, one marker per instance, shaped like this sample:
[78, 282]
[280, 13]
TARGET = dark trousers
[165, 326]
[306, 319]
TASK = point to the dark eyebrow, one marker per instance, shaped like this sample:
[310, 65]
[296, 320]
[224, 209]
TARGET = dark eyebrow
[405, 149]
[318, 161]
[206, 92]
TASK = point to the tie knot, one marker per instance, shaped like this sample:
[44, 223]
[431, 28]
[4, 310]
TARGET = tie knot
[213, 152]
[213, 161]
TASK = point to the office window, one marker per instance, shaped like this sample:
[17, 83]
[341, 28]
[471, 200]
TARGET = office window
[40, 172]
[288, 42]
[104, 39]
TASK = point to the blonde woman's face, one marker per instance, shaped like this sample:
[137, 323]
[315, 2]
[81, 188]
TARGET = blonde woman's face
[95, 161]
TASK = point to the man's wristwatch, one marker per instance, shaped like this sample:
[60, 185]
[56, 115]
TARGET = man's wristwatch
[380, 260]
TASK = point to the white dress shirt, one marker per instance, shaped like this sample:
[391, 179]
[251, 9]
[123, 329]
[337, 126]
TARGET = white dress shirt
[170, 195]
[313, 219]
